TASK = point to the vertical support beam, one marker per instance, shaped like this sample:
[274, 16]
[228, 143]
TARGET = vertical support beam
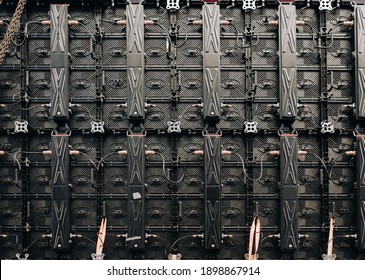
[136, 193]
[59, 62]
[360, 61]
[360, 174]
[135, 61]
[60, 192]
[287, 62]
[211, 61]
[289, 192]
[212, 164]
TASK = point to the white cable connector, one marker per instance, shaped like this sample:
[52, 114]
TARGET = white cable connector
[46, 236]
[75, 235]
[227, 235]
[303, 236]
[350, 153]
[2, 153]
[151, 235]
[198, 153]
[150, 152]
[198, 235]
[200, 105]
[122, 152]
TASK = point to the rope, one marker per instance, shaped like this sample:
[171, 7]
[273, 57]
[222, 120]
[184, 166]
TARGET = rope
[10, 31]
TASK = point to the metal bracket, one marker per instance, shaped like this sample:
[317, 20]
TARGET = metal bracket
[21, 127]
[174, 127]
[97, 256]
[97, 127]
[172, 5]
[327, 127]
[26, 256]
[249, 5]
[250, 127]
[325, 5]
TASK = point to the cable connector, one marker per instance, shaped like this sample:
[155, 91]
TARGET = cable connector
[121, 22]
[75, 105]
[1, 22]
[198, 235]
[46, 236]
[151, 235]
[225, 105]
[2, 105]
[47, 152]
[274, 153]
[225, 22]
[124, 235]
[350, 153]
[299, 105]
[74, 153]
[197, 22]
[348, 23]
[227, 235]
[45, 22]
[122, 105]
[2, 153]
[122, 152]
[273, 105]
[272, 23]
[75, 235]
[351, 235]
[73, 22]
[150, 152]
[302, 153]
[200, 105]
[3, 235]
[147, 105]
[303, 235]
[274, 235]
[198, 153]
[226, 153]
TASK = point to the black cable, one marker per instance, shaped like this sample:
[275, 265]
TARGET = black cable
[88, 239]
[333, 163]
[246, 46]
[164, 170]
[93, 162]
[321, 160]
[103, 159]
[179, 239]
[34, 241]
[339, 236]
[261, 166]
[14, 159]
[88, 30]
[169, 37]
[88, 111]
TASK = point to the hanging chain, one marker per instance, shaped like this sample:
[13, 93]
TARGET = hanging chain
[13, 26]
